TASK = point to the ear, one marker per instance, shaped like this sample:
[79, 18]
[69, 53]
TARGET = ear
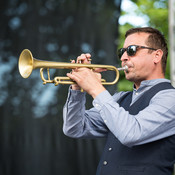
[158, 56]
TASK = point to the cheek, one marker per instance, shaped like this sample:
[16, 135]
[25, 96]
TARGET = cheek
[143, 69]
[138, 68]
[141, 63]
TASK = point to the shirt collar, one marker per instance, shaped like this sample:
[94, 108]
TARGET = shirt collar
[149, 83]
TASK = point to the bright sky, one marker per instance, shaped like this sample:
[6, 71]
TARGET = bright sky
[131, 17]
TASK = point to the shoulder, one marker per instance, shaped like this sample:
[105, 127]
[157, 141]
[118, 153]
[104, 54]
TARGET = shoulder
[165, 97]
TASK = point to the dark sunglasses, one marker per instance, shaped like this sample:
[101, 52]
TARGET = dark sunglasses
[131, 50]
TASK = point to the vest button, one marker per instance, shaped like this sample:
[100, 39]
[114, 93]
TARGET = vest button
[105, 163]
[110, 149]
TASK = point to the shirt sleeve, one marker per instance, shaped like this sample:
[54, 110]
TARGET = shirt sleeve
[79, 122]
[155, 122]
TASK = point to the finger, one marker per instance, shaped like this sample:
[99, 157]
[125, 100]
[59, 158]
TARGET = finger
[72, 61]
[85, 55]
[88, 55]
[88, 58]
[80, 59]
[84, 58]
[99, 70]
[98, 75]
[74, 76]
[70, 75]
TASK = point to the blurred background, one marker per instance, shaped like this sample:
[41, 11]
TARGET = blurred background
[31, 137]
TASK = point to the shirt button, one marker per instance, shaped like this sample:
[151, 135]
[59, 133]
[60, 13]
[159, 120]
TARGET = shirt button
[105, 121]
[105, 163]
[137, 93]
[97, 106]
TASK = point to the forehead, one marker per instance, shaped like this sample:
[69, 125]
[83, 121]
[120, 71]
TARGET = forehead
[136, 39]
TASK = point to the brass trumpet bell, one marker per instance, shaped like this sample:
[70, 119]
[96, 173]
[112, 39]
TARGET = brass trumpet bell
[27, 64]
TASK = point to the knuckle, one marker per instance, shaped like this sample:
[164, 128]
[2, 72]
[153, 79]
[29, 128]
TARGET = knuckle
[88, 55]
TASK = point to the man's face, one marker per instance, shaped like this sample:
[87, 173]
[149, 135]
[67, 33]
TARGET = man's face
[141, 65]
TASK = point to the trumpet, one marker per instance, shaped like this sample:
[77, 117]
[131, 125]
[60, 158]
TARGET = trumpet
[27, 64]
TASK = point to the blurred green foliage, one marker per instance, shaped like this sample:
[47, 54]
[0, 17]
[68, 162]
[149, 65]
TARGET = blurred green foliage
[155, 13]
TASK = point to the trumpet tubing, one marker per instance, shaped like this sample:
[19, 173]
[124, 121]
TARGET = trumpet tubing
[27, 64]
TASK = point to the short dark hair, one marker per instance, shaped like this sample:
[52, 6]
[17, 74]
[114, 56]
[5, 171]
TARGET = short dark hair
[155, 40]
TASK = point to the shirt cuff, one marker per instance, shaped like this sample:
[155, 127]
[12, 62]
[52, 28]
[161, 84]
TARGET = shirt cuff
[101, 99]
[75, 95]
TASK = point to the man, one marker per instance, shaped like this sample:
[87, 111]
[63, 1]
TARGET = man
[139, 125]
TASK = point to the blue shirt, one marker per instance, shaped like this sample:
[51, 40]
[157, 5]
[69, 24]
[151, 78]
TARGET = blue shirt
[155, 122]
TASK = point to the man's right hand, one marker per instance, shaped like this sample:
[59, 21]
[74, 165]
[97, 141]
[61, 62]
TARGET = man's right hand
[83, 59]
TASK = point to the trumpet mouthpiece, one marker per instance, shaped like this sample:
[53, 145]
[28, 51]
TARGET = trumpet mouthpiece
[125, 68]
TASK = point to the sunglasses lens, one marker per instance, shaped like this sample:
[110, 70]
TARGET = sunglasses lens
[121, 52]
[131, 50]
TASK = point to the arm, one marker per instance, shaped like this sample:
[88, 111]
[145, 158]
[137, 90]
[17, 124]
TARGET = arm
[81, 123]
[155, 122]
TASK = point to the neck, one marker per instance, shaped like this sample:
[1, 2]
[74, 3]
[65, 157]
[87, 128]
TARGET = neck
[137, 84]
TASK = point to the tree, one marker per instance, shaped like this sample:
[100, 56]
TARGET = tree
[155, 13]
[32, 141]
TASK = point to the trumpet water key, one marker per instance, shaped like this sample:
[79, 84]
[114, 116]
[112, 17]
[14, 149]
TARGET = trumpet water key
[27, 64]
